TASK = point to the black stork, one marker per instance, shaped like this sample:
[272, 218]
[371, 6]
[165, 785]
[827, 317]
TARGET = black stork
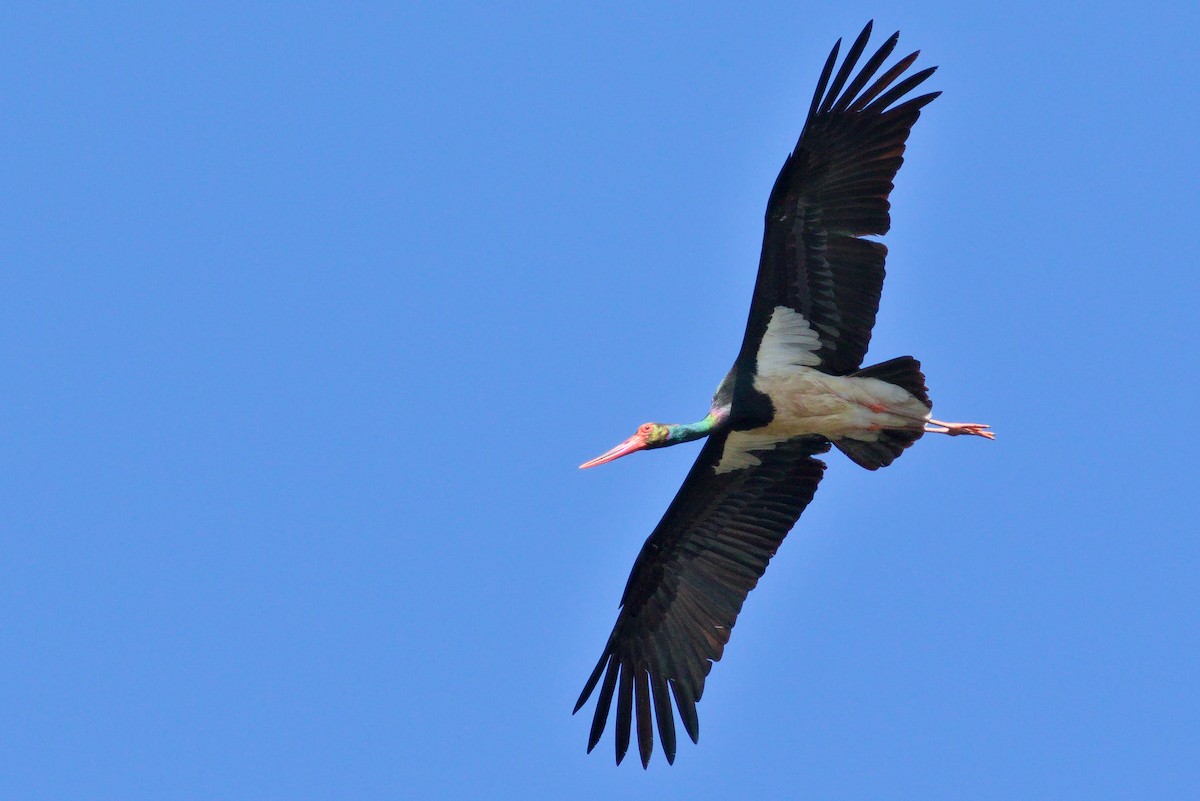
[796, 387]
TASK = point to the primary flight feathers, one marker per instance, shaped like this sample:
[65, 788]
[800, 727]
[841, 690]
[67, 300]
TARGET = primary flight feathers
[796, 387]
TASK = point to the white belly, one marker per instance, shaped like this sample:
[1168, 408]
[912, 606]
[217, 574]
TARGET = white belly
[807, 401]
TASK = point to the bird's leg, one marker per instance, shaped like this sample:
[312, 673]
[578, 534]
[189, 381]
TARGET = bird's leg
[934, 426]
[955, 429]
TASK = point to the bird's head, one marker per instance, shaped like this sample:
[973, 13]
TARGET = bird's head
[648, 435]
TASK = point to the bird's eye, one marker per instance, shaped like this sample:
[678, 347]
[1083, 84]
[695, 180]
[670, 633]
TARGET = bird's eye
[645, 428]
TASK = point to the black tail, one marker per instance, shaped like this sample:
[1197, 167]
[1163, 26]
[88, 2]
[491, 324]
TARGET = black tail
[904, 372]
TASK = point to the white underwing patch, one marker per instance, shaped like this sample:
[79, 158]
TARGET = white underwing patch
[789, 342]
[738, 446]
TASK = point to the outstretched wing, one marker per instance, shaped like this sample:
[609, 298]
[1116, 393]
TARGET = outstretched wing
[832, 190]
[690, 580]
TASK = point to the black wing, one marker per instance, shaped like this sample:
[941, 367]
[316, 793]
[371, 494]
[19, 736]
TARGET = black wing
[688, 585]
[832, 190]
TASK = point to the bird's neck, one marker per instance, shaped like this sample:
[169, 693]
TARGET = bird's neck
[686, 432]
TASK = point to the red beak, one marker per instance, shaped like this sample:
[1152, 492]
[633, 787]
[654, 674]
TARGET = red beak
[634, 443]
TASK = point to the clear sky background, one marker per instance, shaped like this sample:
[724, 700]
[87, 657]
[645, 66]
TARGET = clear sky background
[308, 315]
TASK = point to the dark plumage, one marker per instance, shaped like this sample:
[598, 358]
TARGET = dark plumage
[810, 322]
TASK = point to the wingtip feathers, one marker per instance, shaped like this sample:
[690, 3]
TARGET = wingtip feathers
[642, 697]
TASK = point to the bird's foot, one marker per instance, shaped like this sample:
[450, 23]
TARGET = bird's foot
[957, 429]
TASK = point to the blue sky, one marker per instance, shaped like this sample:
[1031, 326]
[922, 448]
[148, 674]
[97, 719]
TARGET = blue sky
[308, 315]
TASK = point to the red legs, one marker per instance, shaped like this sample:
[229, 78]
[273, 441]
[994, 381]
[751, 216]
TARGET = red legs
[955, 429]
[935, 426]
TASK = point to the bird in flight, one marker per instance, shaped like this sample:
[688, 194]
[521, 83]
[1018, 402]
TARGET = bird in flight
[796, 389]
